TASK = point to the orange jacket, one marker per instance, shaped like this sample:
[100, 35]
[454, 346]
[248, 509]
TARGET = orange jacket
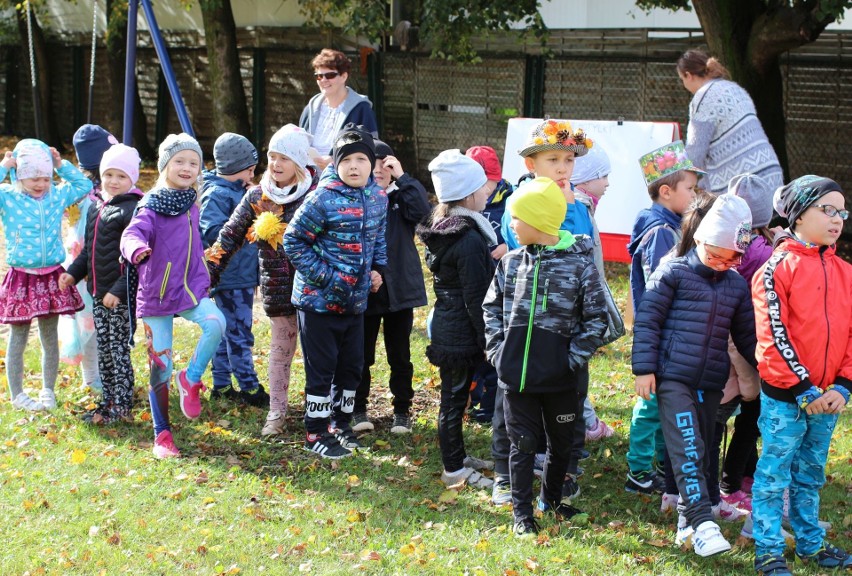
[803, 315]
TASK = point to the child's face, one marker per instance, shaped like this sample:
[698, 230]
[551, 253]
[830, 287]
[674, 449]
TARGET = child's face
[183, 169]
[282, 169]
[36, 187]
[355, 170]
[596, 187]
[679, 198]
[245, 175]
[719, 259]
[817, 227]
[526, 234]
[479, 199]
[115, 182]
[558, 165]
[382, 173]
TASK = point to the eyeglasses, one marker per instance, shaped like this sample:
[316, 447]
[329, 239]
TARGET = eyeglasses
[711, 257]
[831, 211]
[326, 75]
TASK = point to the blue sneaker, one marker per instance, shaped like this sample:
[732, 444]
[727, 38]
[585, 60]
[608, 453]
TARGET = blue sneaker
[828, 557]
[770, 565]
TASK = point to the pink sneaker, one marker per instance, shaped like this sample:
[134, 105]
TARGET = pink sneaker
[746, 484]
[669, 502]
[728, 513]
[164, 446]
[738, 499]
[190, 401]
[598, 431]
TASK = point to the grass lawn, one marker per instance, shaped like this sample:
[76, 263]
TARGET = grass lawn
[75, 499]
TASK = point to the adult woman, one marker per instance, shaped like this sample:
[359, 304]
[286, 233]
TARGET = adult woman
[335, 105]
[724, 136]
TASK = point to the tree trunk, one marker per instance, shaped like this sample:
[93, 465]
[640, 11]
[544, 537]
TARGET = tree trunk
[47, 128]
[230, 112]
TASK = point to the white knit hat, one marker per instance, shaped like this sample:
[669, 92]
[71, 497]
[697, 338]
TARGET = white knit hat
[294, 143]
[727, 224]
[592, 166]
[455, 176]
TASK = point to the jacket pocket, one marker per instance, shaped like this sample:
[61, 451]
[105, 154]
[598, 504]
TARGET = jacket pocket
[165, 281]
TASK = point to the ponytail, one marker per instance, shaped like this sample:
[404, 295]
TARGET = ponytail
[700, 64]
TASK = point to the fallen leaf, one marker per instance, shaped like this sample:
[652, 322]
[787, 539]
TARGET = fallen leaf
[370, 555]
[532, 565]
[114, 540]
[78, 456]
[407, 549]
[448, 497]
[356, 516]
[659, 543]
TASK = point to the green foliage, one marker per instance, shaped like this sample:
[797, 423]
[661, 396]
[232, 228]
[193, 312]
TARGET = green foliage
[368, 18]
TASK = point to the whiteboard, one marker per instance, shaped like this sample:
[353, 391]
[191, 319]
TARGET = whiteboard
[624, 143]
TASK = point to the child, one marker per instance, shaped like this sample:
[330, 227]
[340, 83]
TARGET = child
[457, 238]
[163, 242]
[336, 242]
[401, 291]
[671, 178]
[266, 210]
[690, 307]
[803, 310]
[538, 338]
[107, 280]
[31, 210]
[222, 190]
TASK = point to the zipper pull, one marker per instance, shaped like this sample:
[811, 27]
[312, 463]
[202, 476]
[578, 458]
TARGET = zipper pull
[544, 300]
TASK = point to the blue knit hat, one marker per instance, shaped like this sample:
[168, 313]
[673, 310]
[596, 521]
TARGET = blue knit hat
[90, 143]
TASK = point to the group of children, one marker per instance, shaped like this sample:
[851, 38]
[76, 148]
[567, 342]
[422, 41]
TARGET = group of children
[521, 300]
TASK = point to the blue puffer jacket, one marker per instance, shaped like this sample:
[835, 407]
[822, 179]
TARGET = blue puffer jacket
[219, 199]
[682, 325]
[334, 239]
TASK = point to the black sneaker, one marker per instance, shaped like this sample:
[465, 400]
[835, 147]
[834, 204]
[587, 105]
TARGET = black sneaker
[347, 438]
[257, 398]
[326, 445]
[225, 394]
[401, 424]
[563, 510]
[570, 488]
[361, 423]
[645, 482]
[525, 527]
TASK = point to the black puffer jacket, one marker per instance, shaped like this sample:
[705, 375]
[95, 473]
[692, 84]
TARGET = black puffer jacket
[684, 318]
[458, 257]
[276, 270]
[402, 279]
[98, 261]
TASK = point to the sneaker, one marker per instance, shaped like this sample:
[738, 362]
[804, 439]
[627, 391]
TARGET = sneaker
[467, 476]
[726, 512]
[563, 510]
[746, 484]
[598, 431]
[570, 488]
[347, 438]
[164, 446]
[326, 445]
[501, 492]
[478, 463]
[96, 386]
[538, 465]
[738, 499]
[583, 454]
[360, 423]
[225, 393]
[401, 424]
[274, 425]
[684, 534]
[708, 540]
[828, 557]
[190, 402]
[669, 502]
[525, 527]
[748, 532]
[47, 397]
[257, 398]
[645, 482]
[770, 565]
[23, 402]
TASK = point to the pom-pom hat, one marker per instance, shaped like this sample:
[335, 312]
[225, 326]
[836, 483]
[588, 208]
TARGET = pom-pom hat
[90, 142]
[175, 143]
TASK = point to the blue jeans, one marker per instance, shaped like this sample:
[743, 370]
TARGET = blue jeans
[159, 334]
[795, 449]
[234, 355]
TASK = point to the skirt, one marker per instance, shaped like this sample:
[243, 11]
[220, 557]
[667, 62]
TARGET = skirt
[24, 297]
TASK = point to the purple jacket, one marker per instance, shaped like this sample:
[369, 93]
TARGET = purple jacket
[174, 277]
[755, 256]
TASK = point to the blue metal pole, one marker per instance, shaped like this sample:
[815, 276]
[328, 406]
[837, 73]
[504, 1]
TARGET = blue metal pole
[168, 72]
[130, 72]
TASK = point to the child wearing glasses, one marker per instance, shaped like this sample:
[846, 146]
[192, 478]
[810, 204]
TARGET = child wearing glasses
[336, 242]
[690, 307]
[803, 312]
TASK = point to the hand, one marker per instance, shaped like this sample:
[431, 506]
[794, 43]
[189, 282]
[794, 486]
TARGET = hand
[375, 281]
[818, 406]
[392, 164]
[57, 159]
[645, 385]
[322, 162]
[834, 402]
[66, 281]
[500, 251]
[9, 161]
[142, 255]
[111, 300]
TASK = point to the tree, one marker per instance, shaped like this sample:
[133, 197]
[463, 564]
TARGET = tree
[447, 25]
[230, 112]
[749, 37]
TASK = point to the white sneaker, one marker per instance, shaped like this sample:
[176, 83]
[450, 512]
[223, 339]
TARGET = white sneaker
[728, 513]
[669, 502]
[468, 476]
[708, 540]
[684, 531]
[274, 424]
[48, 398]
[478, 463]
[23, 402]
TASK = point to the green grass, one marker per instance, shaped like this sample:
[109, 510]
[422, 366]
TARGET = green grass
[81, 500]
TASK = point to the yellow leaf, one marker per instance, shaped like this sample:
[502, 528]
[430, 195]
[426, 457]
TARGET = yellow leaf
[370, 555]
[407, 549]
[78, 456]
[28, 504]
[353, 480]
[356, 516]
[482, 545]
[448, 497]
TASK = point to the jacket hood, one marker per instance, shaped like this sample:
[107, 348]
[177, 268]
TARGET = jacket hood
[649, 218]
[440, 236]
[211, 179]
[792, 243]
[352, 100]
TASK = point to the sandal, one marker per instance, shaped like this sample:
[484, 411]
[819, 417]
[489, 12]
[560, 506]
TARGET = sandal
[23, 402]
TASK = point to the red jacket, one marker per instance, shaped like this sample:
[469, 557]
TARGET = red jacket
[803, 315]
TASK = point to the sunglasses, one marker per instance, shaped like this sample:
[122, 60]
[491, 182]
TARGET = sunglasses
[326, 75]
[711, 257]
[831, 211]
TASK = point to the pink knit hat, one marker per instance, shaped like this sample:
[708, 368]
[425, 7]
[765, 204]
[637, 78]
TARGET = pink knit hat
[122, 158]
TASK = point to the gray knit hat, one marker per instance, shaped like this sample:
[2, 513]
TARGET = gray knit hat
[175, 143]
[757, 194]
[233, 153]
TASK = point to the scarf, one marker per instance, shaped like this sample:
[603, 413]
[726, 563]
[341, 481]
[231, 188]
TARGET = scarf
[168, 201]
[288, 194]
[481, 221]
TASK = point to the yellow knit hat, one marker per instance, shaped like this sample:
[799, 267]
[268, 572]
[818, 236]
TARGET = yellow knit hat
[540, 203]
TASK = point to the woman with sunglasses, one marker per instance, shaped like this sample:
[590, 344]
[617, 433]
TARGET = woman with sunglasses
[336, 104]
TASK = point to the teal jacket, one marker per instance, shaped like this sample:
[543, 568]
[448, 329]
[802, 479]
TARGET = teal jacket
[33, 228]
